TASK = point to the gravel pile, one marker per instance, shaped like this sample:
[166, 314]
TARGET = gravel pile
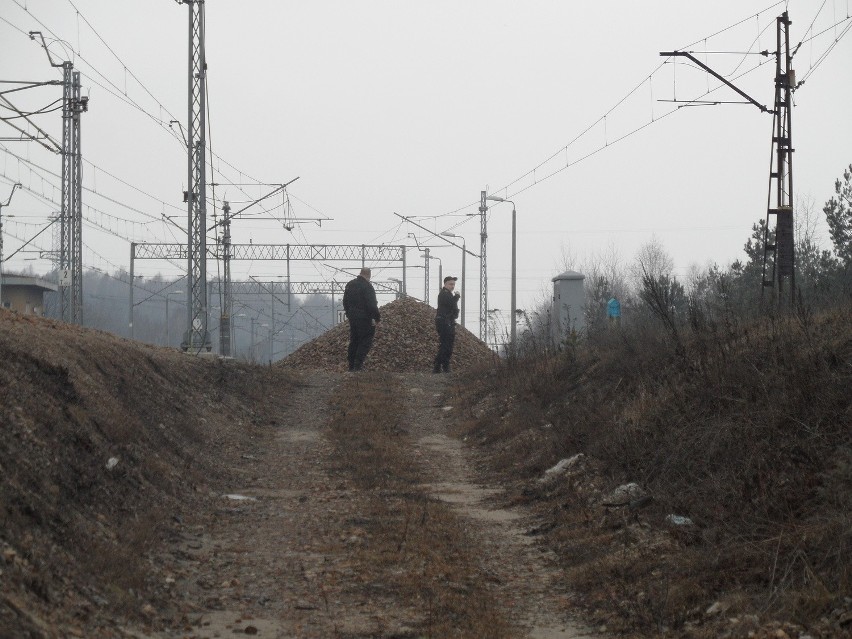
[406, 341]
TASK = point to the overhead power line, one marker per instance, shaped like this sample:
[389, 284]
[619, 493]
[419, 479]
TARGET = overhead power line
[114, 90]
[534, 173]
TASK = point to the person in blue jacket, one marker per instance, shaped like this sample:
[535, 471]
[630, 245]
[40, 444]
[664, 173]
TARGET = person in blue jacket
[613, 311]
[445, 324]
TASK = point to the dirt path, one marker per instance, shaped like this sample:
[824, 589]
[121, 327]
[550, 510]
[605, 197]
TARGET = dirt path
[526, 575]
[300, 548]
[269, 557]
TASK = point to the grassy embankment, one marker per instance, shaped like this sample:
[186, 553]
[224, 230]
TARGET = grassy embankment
[746, 429]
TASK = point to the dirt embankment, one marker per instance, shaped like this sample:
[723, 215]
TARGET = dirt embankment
[106, 446]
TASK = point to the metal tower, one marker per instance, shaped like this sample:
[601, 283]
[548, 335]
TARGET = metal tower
[79, 105]
[781, 253]
[483, 276]
[227, 298]
[779, 259]
[66, 214]
[196, 338]
[426, 271]
[71, 214]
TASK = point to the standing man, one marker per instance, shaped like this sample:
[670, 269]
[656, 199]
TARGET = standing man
[361, 308]
[445, 324]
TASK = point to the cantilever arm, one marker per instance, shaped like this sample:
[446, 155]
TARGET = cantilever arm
[46, 50]
[684, 54]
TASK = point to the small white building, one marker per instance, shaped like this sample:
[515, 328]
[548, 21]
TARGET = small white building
[25, 294]
[568, 306]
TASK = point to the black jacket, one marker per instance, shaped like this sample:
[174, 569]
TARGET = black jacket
[359, 300]
[448, 306]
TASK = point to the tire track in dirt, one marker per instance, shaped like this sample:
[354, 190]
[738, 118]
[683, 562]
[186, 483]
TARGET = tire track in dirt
[526, 575]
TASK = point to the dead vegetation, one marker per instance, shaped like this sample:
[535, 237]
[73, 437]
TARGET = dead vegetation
[737, 435]
[415, 546]
[744, 431]
[106, 444]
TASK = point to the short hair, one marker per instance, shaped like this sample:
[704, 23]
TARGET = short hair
[365, 272]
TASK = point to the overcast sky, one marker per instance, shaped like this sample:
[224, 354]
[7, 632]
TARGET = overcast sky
[414, 108]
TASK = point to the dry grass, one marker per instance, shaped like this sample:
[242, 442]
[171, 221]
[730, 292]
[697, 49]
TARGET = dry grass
[80, 532]
[416, 549]
[747, 430]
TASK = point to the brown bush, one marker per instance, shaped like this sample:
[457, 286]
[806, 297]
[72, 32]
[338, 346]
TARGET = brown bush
[747, 431]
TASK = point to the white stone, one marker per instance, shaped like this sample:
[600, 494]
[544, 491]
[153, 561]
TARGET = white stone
[624, 494]
[678, 520]
[561, 466]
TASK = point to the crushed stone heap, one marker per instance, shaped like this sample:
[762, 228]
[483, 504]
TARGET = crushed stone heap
[406, 341]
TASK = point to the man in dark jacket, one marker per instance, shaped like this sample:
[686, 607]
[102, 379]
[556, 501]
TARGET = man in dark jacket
[445, 324]
[359, 303]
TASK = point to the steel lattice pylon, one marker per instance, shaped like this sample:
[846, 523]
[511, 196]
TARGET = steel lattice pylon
[781, 252]
[76, 217]
[196, 338]
[71, 215]
[227, 298]
[68, 259]
[66, 212]
[483, 275]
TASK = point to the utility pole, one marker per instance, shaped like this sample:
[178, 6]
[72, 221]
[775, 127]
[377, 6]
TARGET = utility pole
[71, 213]
[8, 202]
[483, 273]
[225, 318]
[226, 255]
[272, 323]
[196, 338]
[65, 214]
[78, 105]
[782, 252]
[426, 285]
[130, 292]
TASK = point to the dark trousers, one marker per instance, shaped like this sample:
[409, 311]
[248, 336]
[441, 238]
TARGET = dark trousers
[361, 332]
[447, 337]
